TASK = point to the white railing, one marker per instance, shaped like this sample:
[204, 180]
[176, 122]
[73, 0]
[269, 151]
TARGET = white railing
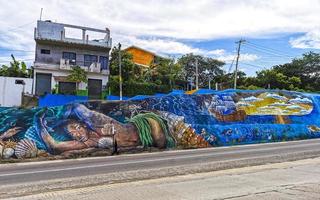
[95, 67]
[65, 64]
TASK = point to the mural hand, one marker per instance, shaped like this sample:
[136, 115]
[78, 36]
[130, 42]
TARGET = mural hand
[10, 132]
[83, 138]
[16, 129]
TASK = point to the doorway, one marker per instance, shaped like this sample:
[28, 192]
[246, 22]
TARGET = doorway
[69, 88]
[43, 84]
[94, 88]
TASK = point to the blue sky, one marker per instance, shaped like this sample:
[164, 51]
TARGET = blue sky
[275, 30]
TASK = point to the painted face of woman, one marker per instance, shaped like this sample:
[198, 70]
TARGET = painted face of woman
[78, 131]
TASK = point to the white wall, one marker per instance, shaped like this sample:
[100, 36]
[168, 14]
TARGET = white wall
[10, 93]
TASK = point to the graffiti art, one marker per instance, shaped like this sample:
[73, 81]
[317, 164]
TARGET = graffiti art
[173, 121]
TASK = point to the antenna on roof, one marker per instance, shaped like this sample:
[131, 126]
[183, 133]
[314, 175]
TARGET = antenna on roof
[41, 14]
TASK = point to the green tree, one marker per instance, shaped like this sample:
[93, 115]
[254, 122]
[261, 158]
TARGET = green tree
[127, 65]
[16, 69]
[306, 68]
[226, 80]
[78, 75]
[302, 74]
[166, 71]
[4, 70]
[210, 65]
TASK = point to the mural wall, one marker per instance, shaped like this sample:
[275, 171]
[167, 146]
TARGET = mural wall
[172, 121]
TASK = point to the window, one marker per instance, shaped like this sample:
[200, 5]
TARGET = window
[89, 59]
[104, 62]
[45, 51]
[70, 56]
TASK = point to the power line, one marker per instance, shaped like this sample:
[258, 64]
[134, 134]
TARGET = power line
[20, 26]
[268, 48]
[19, 59]
[272, 61]
[22, 60]
[231, 65]
[273, 56]
[265, 50]
[256, 66]
[21, 50]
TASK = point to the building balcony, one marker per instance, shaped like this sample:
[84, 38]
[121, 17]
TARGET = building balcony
[93, 67]
[56, 33]
[67, 65]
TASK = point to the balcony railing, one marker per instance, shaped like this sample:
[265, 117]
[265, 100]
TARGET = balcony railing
[94, 67]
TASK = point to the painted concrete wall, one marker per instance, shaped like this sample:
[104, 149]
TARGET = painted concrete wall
[10, 92]
[49, 30]
[223, 118]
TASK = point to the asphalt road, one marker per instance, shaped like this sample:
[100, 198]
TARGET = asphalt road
[64, 169]
[299, 180]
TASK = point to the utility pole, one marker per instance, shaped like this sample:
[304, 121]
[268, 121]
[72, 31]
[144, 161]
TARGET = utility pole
[120, 73]
[197, 75]
[170, 68]
[207, 72]
[41, 14]
[237, 62]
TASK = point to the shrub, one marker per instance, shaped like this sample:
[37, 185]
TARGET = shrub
[133, 88]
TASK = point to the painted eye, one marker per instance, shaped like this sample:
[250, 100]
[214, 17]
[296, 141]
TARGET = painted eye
[78, 127]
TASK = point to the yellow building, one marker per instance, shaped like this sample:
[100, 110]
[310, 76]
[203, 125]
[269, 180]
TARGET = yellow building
[141, 56]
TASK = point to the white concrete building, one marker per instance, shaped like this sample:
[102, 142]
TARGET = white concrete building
[56, 54]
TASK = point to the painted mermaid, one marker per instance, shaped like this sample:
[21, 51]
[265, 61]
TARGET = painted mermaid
[91, 129]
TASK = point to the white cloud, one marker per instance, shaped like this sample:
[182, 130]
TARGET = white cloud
[308, 40]
[161, 46]
[228, 58]
[176, 20]
[205, 19]
[168, 47]
[217, 52]
[202, 19]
